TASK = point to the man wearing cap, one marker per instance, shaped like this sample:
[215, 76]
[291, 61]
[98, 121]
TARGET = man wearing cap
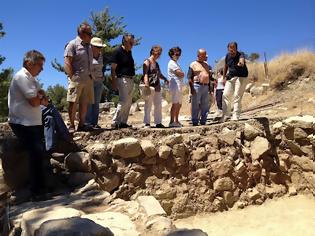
[78, 63]
[123, 72]
[199, 81]
[98, 77]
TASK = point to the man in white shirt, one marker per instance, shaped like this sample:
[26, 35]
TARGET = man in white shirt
[25, 117]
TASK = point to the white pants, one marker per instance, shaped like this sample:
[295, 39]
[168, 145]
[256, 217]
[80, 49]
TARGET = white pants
[156, 99]
[125, 87]
[232, 95]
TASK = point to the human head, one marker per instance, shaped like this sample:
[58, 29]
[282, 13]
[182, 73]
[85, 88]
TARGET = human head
[175, 53]
[232, 48]
[202, 55]
[156, 51]
[97, 45]
[33, 61]
[128, 40]
[85, 32]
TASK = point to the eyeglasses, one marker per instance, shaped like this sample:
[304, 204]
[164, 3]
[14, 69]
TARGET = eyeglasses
[177, 54]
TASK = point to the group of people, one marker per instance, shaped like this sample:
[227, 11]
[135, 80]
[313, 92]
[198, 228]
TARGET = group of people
[33, 118]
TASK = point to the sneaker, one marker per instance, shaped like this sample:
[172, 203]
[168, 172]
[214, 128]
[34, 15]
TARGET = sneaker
[174, 125]
[84, 128]
[235, 117]
[179, 124]
[146, 126]
[159, 126]
[218, 114]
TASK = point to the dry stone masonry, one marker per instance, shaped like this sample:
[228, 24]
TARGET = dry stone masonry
[154, 176]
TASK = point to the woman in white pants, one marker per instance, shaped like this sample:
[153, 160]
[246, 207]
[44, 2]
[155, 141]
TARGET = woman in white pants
[151, 79]
[236, 80]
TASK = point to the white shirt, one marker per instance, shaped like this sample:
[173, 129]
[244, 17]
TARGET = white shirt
[220, 84]
[23, 87]
[176, 83]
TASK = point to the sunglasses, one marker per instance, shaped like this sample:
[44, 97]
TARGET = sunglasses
[177, 54]
[87, 33]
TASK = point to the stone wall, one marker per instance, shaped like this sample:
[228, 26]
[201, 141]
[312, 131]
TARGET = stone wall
[203, 169]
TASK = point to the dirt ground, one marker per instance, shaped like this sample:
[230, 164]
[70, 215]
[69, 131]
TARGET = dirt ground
[291, 216]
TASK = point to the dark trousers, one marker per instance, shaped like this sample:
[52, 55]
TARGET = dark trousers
[218, 98]
[32, 138]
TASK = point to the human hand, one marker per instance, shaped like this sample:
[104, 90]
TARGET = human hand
[240, 63]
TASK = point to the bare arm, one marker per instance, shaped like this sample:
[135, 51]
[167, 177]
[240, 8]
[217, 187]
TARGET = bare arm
[190, 77]
[114, 76]
[179, 73]
[225, 71]
[68, 66]
[145, 73]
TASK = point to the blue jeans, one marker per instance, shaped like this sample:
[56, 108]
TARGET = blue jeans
[32, 138]
[54, 127]
[93, 109]
[200, 103]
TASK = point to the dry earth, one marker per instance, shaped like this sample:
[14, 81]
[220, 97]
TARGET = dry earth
[286, 216]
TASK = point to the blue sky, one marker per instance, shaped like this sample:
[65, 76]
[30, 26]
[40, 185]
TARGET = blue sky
[271, 26]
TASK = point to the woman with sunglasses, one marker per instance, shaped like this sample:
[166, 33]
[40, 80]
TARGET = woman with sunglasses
[175, 76]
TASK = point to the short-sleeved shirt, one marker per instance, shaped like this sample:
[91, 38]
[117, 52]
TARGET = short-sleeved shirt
[23, 87]
[124, 61]
[97, 69]
[175, 82]
[82, 57]
[200, 72]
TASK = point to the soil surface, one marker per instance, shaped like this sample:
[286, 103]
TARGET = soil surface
[291, 216]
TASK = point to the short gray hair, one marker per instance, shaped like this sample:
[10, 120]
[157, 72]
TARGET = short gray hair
[33, 57]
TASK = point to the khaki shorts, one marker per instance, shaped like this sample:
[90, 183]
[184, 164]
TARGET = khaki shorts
[80, 92]
[176, 96]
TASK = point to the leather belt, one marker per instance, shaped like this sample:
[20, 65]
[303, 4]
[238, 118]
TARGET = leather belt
[201, 83]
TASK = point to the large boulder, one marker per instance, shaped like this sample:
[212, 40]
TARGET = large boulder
[78, 161]
[33, 219]
[120, 224]
[97, 151]
[71, 227]
[126, 148]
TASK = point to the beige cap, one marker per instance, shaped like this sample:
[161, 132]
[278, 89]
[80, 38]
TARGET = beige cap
[97, 42]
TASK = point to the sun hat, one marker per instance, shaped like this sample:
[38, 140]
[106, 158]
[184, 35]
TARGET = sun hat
[97, 42]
